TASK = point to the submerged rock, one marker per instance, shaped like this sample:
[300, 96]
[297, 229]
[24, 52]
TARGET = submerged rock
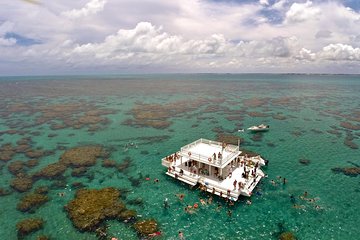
[29, 225]
[31, 202]
[146, 227]
[91, 207]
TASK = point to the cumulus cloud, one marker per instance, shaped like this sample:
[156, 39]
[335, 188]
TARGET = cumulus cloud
[147, 41]
[91, 7]
[300, 12]
[340, 52]
[305, 54]
[159, 34]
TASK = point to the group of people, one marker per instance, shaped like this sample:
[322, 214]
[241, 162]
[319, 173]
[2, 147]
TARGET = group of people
[172, 158]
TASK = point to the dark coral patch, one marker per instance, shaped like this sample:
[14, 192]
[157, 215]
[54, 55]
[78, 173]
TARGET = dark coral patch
[28, 226]
[91, 207]
[31, 202]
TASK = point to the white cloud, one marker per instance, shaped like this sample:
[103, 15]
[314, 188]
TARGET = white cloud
[340, 52]
[264, 2]
[300, 12]
[91, 7]
[305, 54]
[7, 41]
[186, 34]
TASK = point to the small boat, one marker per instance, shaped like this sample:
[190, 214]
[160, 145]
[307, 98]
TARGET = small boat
[259, 128]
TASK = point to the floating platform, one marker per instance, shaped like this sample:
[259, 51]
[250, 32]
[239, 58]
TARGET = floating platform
[220, 168]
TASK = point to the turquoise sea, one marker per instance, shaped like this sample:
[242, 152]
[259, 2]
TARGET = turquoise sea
[313, 142]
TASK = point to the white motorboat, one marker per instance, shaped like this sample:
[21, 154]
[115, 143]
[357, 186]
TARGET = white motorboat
[259, 128]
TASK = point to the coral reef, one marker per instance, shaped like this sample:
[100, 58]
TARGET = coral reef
[34, 153]
[29, 225]
[349, 126]
[4, 192]
[79, 171]
[146, 227]
[349, 171]
[51, 171]
[31, 201]
[91, 207]
[82, 156]
[257, 114]
[16, 167]
[227, 138]
[22, 183]
[287, 236]
[32, 163]
[124, 165]
[6, 152]
[107, 163]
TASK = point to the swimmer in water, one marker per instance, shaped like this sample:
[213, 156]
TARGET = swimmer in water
[180, 196]
[61, 194]
[166, 203]
[202, 202]
[158, 233]
[181, 235]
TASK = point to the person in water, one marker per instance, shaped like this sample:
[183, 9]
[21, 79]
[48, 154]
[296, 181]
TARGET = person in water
[180, 196]
[158, 233]
[166, 203]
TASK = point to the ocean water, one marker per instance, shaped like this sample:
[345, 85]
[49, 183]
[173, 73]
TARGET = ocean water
[141, 118]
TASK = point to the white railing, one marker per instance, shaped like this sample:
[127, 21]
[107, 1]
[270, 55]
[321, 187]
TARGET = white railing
[231, 148]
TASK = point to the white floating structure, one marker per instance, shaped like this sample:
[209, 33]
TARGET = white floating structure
[220, 168]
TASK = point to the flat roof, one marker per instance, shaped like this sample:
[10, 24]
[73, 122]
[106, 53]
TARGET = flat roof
[202, 150]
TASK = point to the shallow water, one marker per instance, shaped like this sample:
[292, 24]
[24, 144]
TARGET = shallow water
[306, 114]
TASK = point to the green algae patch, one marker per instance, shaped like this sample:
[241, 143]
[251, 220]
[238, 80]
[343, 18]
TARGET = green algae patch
[91, 207]
[28, 226]
[146, 227]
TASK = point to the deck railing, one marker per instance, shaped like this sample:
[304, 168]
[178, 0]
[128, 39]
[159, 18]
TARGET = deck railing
[199, 157]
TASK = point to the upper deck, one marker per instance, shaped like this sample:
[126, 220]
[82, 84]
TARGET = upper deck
[203, 150]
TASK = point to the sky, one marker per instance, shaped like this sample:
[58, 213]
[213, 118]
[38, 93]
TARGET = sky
[39, 37]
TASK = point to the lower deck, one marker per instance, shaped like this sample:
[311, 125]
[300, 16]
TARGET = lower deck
[218, 181]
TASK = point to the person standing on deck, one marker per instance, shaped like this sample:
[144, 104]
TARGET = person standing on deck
[235, 182]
